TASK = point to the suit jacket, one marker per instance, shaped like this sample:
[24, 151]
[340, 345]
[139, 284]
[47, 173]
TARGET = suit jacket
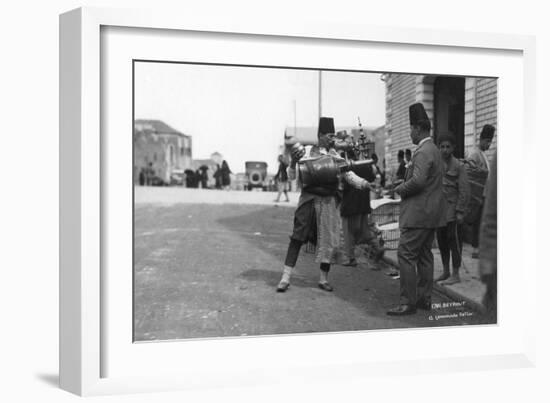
[488, 230]
[422, 201]
[478, 160]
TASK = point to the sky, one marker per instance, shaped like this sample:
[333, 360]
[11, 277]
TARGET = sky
[242, 112]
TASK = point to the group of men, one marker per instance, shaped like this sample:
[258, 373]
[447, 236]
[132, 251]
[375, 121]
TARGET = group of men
[435, 199]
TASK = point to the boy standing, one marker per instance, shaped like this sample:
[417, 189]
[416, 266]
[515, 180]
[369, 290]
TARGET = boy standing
[456, 191]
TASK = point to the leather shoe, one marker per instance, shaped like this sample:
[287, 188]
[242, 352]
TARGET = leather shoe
[326, 287]
[402, 310]
[283, 286]
[424, 303]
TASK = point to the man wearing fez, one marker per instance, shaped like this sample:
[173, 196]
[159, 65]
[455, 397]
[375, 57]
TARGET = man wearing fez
[422, 210]
[479, 162]
[317, 217]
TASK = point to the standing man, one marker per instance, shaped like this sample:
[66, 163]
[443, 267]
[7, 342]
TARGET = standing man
[226, 175]
[480, 169]
[317, 217]
[149, 174]
[457, 192]
[422, 211]
[142, 177]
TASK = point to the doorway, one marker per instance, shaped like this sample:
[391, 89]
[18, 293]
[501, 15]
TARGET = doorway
[449, 110]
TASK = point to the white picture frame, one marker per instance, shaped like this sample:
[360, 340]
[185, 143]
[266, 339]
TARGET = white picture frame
[82, 298]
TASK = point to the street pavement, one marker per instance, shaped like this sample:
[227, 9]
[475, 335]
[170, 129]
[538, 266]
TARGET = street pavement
[207, 262]
[470, 289]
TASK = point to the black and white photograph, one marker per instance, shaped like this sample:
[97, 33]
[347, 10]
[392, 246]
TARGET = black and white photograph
[271, 200]
[282, 200]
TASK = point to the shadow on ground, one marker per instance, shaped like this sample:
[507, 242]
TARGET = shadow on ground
[211, 271]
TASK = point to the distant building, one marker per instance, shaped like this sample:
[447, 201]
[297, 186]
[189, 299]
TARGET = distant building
[162, 146]
[458, 106]
[216, 157]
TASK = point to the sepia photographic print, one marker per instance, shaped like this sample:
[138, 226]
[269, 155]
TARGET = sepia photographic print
[272, 200]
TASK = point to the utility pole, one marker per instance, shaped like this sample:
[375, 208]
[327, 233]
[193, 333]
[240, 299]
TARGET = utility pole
[320, 94]
[294, 118]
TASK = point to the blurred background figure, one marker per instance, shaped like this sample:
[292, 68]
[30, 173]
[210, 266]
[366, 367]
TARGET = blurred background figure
[408, 156]
[488, 243]
[226, 175]
[190, 178]
[203, 176]
[142, 177]
[380, 178]
[218, 177]
[379, 172]
[281, 178]
[401, 169]
[149, 174]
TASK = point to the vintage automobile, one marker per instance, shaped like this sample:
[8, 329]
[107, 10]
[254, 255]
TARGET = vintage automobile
[177, 177]
[256, 174]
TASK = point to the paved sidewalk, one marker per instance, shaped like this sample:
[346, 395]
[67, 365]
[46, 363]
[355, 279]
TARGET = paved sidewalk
[470, 289]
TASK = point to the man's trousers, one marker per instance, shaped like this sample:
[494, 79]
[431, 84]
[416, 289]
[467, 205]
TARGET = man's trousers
[416, 264]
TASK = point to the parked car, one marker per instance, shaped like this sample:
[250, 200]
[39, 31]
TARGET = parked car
[177, 177]
[256, 173]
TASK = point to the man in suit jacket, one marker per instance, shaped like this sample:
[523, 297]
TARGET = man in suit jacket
[478, 159]
[422, 210]
[488, 243]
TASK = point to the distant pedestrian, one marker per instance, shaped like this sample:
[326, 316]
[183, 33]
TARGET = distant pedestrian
[226, 175]
[189, 178]
[479, 162]
[149, 174]
[142, 177]
[457, 192]
[281, 178]
[422, 211]
[203, 176]
[218, 177]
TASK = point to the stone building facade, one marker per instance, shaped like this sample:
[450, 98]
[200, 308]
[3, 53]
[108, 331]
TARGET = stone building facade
[158, 144]
[458, 106]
